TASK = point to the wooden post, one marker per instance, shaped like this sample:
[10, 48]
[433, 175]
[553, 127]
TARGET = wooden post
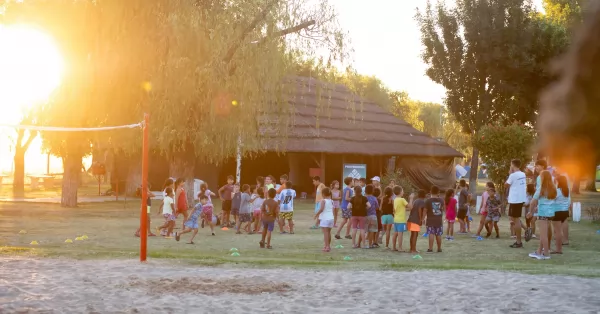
[144, 209]
[323, 157]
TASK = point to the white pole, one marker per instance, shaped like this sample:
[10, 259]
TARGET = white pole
[238, 169]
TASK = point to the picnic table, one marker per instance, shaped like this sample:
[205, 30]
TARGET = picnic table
[47, 180]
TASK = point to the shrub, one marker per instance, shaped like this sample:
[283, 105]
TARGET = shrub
[401, 179]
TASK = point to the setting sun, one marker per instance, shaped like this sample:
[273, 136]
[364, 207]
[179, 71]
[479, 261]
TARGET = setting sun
[31, 66]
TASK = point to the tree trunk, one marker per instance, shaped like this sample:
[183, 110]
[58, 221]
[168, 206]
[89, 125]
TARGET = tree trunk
[576, 186]
[183, 166]
[19, 172]
[474, 171]
[71, 179]
[590, 185]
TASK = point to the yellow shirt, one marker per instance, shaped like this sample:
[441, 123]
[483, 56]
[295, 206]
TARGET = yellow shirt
[400, 210]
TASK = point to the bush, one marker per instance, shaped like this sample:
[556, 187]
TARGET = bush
[593, 212]
[499, 144]
[400, 179]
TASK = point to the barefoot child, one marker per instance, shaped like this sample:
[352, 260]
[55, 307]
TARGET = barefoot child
[435, 209]
[400, 208]
[245, 210]
[415, 219]
[346, 212]
[286, 207]
[387, 214]
[257, 200]
[450, 213]
[493, 208]
[225, 194]
[326, 218]
[192, 223]
[269, 212]
[336, 197]
[168, 211]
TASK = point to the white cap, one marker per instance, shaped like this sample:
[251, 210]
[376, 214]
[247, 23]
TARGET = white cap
[376, 179]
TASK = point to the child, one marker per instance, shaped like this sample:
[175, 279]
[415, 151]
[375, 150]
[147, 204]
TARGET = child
[415, 219]
[400, 208]
[205, 191]
[450, 213]
[483, 210]
[363, 184]
[181, 199]
[283, 179]
[372, 217]
[336, 197]
[435, 209]
[269, 212]
[318, 197]
[286, 207]
[530, 230]
[192, 223]
[149, 209]
[493, 205]
[544, 198]
[346, 212]
[257, 201]
[463, 206]
[236, 199]
[245, 210]
[207, 211]
[168, 211]
[387, 214]
[326, 218]
[225, 194]
[359, 206]
[379, 196]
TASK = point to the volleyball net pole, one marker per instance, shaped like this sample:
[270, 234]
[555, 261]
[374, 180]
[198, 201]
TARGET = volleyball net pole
[145, 155]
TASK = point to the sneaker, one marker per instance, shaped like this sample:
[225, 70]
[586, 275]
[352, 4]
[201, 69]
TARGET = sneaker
[516, 245]
[213, 233]
[534, 237]
[542, 257]
[513, 236]
[533, 255]
[528, 234]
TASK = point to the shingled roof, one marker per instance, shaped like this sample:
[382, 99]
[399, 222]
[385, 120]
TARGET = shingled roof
[329, 118]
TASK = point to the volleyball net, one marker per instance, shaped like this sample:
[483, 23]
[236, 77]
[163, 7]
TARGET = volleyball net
[143, 126]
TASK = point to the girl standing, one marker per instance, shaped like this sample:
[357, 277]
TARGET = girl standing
[529, 222]
[346, 212]
[336, 197]
[245, 210]
[326, 218]
[450, 213]
[562, 203]
[387, 214]
[181, 200]
[544, 198]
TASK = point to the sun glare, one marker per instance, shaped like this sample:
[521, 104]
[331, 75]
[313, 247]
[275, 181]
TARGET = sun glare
[31, 68]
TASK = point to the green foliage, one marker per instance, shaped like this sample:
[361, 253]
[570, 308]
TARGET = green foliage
[564, 12]
[499, 144]
[400, 179]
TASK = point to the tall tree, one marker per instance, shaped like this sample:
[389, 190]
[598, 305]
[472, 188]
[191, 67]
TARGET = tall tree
[485, 53]
[194, 60]
[22, 143]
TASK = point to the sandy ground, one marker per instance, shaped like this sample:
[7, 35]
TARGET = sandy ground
[67, 286]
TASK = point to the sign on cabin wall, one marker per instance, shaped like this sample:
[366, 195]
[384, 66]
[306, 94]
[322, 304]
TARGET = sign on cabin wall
[355, 171]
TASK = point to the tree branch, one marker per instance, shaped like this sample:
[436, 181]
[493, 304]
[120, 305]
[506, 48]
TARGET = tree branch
[287, 31]
[32, 136]
[259, 18]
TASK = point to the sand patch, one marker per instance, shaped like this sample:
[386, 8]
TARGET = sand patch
[208, 286]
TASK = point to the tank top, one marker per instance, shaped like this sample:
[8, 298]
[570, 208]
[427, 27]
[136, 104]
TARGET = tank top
[327, 213]
[387, 208]
[182, 201]
[336, 194]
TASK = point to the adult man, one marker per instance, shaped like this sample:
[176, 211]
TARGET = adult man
[517, 196]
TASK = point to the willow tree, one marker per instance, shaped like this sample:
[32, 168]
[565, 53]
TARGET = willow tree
[185, 62]
[491, 57]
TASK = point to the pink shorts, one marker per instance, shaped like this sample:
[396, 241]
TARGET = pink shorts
[257, 213]
[358, 222]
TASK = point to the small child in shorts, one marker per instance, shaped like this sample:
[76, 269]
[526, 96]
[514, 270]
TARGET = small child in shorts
[236, 200]
[191, 224]
[326, 218]
[493, 205]
[257, 200]
[336, 197]
[269, 213]
[168, 211]
[207, 211]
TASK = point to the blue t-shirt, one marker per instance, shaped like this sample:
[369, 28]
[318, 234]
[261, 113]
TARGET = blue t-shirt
[546, 206]
[344, 201]
[372, 211]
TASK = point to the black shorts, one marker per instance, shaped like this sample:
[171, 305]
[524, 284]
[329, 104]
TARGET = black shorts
[462, 214]
[379, 225]
[226, 206]
[561, 216]
[515, 210]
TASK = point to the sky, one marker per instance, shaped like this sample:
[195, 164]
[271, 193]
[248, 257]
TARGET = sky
[387, 44]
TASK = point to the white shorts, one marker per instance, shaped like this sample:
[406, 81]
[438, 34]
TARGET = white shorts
[326, 223]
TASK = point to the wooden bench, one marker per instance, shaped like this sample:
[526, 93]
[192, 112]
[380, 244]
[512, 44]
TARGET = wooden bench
[47, 180]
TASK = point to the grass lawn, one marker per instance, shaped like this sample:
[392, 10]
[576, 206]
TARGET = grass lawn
[110, 228]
